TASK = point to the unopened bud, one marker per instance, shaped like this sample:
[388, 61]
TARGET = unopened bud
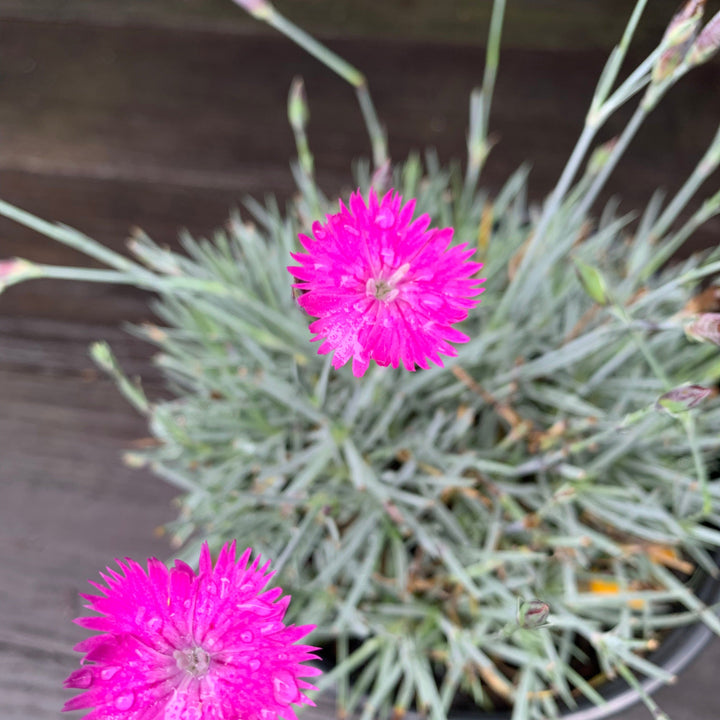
[16, 270]
[682, 399]
[677, 39]
[298, 112]
[532, 614]
[705, 327]
[707, 42]
[382, 176]
[592, 281]
[600, 156]
[257, 8]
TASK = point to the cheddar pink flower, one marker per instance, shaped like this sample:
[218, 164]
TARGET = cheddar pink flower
[383, 287]
[176, 645]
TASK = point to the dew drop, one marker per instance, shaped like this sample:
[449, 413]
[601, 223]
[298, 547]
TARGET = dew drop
[247, 636]
[212, 588]
[318, 231]
[385, 218]
[254, 665]
[285, 689]
[125, 701]
[154, 623]
[140, 614]
[271, 627]
[109, 672]
[266, 714]
[224, 583]
[186, 604]
[83, 679]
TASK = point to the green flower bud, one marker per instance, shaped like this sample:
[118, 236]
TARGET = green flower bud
[682, 399]
[298, 112]
[707, 43]
[677, 39]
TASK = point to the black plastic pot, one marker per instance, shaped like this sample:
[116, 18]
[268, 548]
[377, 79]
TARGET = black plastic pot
[677, 650]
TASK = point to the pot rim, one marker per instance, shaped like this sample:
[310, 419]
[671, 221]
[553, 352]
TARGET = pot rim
[679, 648]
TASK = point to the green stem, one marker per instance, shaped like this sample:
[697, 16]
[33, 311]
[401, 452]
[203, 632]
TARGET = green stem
[343, 68]
[481, 102]
[709, 209]
[72, 238]
[617, 152]
[688, 422]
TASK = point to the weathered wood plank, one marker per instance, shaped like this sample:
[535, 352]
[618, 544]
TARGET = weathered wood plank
[555, 24]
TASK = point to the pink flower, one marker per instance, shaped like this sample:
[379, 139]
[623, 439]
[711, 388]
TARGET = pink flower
[179, 646]
[384, 287]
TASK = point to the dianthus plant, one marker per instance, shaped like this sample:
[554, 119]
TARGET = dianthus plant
[543, 495]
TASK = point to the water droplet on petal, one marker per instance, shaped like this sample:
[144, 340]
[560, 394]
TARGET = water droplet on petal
[254, 665]
[186, 603]
[125, 701]
[154, 623]
[109, 672]
[266, 714]
[140, 614]
[82, 678]
[385, 218]
[285, 688]
[224, 584]
[212, 588]
[318, 231]
[247, 636]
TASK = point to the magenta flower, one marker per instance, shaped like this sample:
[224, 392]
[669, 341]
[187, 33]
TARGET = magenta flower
[179, 646]
[384, 287]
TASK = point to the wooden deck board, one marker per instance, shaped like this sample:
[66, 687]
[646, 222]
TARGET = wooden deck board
[106, 124]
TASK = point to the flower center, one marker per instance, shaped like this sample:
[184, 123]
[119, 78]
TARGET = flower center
[194, 661]
[385, 289]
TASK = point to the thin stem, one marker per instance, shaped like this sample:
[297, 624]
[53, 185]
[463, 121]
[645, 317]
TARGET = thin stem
[378, 138]
[709, 209]
[72, 238]
[343, 68]
[617, 152]
[706, 166]
[492, 60]
[78, 274]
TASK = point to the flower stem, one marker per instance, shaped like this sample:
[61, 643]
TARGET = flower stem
[339, 66]
[481, 101]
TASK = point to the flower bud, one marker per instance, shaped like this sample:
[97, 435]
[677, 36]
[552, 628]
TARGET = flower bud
[593, 282]
[678, 36]
[16, 270]
[532, 614]
[257, 8]
[682, 399]
[705, 327]
[600, 156]
[707, 43]
[298, 112]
